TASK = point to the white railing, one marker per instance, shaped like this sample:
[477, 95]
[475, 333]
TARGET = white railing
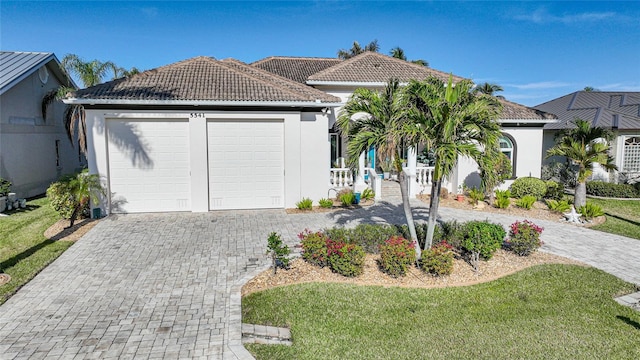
[340, 178]
[424, 175]
[374, 182]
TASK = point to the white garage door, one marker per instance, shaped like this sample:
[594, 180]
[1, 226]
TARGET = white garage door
[246, 164]
[149, 165]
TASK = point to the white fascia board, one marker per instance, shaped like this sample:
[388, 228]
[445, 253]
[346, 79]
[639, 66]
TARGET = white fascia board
[318, 104]
[350, 84]
[528, 121]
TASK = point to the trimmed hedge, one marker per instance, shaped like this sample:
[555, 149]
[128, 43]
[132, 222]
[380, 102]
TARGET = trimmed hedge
[605, 189]
[528, 186]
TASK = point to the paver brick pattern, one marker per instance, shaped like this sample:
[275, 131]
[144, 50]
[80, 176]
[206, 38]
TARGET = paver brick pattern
[151, 286]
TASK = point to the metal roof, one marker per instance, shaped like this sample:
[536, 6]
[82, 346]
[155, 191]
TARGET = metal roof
[17, 65]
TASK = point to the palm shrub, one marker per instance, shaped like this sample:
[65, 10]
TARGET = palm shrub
[476, 195]
[347, 197]
[528, 186]
[325, 203]
[526, 202]
[279, 252]
[305, 204]
[396, 255]
[503, 199]
[367, 194]
[590, 210]
[481, 240]
[438, 260]
[558, 206]
[524, 237]
[314, 247]
[70, 196]
[345, 259]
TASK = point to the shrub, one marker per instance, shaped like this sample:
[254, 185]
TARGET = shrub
[5, 187]
[438, 260]
[451, 231]
[305, 204]
[503, 199]
[555, 190]
[590, 210]
[559, 206]
[528, 186]
[60, 198]
[526, 202]
[369, 236]
[314, 247]
[396, 255]
[367, 194]
[481, 240]
[345, 259]
[347, 197]
[604, 189]
[279, 252]
[70, 196]
[325, 203]
[524, 237]
[476, 196]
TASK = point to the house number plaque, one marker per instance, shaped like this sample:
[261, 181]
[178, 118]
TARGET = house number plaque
[196, 116]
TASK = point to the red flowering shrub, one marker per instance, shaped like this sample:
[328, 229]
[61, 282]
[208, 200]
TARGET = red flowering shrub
[345, 259]
[314, 247]
[396, 255]
[524, 237]
[438, 260]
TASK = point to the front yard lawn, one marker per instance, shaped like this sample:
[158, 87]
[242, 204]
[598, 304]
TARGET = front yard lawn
[24, 251]
[623, 217]
[544, 312]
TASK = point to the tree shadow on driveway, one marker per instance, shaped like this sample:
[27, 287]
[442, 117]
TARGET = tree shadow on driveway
[381, 213]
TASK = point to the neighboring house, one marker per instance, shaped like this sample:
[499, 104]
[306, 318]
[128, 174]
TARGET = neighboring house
[206, 134]
[618, 111]
[34, 151]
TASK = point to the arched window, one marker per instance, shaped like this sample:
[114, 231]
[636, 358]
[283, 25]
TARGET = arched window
[508, 147]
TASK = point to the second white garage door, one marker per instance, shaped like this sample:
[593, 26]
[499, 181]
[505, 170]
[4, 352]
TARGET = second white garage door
[246, 164]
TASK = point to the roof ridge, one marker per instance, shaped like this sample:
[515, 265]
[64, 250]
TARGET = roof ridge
[293, 58]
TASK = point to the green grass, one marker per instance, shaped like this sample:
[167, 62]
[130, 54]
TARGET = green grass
[544, 312]
[623, 217]
[24, 251]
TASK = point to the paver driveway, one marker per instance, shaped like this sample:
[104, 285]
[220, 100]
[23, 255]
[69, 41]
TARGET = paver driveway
[168, 285]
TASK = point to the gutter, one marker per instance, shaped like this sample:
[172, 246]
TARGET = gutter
[528, 121]
[347, 83]
[313, 104]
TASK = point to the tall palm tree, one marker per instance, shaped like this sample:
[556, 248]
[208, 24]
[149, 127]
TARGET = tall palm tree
[488, 88]
[376, 119]
[398, 53]
[90, 73]
[451, 122]
[356, 49]
[584, 146]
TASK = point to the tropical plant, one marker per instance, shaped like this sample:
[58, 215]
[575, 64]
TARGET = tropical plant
[526, 202]
[481, 240]
[488, 88]
[398, 53]
[495, 168]
[584, 146]
[70, 195]
[396, 256]
[376, 119]
[452, 122]
[559, 206]
[524, 186]
[438, 260]
[356, 49]
[590, 210]
[279, 252]
[367, 194]
[345, 259]
[325, 203]
[475, 195]
[314, 247]
[555, 190]
[305, 204]
[5, 187]
[503, 199]
[347, 197]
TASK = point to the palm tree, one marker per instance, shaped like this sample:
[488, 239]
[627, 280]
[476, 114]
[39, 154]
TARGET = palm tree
[372, 118]
[398, 53]
[451, 122]
[488, 88]
[356, 49]
[584, 146]
[90, 73]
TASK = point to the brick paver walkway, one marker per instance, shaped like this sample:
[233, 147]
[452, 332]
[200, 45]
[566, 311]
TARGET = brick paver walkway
[168, 285]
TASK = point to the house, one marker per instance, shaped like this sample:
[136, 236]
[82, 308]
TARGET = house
[618, 111]
[206, 134]
[34, 149]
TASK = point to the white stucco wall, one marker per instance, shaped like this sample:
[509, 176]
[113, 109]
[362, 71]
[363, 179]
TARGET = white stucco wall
[306, 149]
[27, 141]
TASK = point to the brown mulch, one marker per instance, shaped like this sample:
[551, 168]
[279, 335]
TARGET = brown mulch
[503, 263]
[60, 230]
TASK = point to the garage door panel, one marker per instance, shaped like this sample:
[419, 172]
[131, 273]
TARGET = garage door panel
[246, 164]
[149, 165]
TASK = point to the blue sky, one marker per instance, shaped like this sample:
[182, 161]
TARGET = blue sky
[536, 50]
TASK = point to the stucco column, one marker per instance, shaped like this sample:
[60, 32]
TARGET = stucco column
[359, 184]
[412, 159]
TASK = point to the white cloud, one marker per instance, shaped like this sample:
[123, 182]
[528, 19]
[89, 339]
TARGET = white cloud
[539, 85]
[542, 16]
[619, 87]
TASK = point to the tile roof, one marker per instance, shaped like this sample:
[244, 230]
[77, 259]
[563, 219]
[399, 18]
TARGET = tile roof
[295, 68]
[597, 107]
[515, 111]
[16, 65]
[377, 68]
[205, 79]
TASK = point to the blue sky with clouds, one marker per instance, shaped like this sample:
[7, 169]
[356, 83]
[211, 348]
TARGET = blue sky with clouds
[536, 50]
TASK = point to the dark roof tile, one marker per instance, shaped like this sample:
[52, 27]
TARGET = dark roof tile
[295, 68]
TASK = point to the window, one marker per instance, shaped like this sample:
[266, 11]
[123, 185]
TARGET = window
[57, 153]
[631, 154]
[334, 139]
[508, 147]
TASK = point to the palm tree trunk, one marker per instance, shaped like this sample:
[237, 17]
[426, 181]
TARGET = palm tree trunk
[580, 197]
[433, 212]
[404, 191]
[74, 215]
